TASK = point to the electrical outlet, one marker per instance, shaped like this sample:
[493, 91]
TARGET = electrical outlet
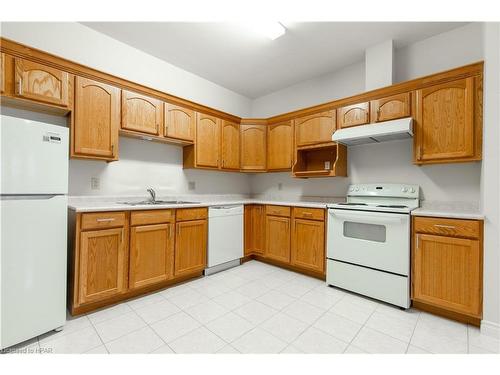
[327, 165]
[95, 183]
[191, 185]
[280, 186]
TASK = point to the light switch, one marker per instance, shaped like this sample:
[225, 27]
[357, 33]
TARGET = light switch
[95, 183]
[191, 185]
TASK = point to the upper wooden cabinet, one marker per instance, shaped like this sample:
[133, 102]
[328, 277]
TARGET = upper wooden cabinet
[41, 83]
[96, 120]
[2, 72]
[317, 128]
[151, 254]
[353, 115]
[448, 122]
[447, 268]
[102, 265]
[180, 122]
[279, 146]
[391, 107]
[253, 147]
[230, 145]
[141, 113]
[207, 140]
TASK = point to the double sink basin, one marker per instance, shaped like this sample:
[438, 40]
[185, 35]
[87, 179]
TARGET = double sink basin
[155, 202]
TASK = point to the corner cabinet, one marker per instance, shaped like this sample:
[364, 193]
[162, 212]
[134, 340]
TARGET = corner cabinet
[447, 265]
[255, 222]
[95, 120]
[280, 146]
[141, 113]
[448, 122]
[253, 140]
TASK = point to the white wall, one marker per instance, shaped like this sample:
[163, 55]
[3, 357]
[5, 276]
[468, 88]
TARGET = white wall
[491, 179]
[81, 44]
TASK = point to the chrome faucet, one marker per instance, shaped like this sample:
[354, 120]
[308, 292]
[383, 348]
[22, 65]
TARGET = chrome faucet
[152, 193]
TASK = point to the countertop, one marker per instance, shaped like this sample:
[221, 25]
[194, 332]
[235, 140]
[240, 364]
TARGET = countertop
[96, 204]
[453, 210]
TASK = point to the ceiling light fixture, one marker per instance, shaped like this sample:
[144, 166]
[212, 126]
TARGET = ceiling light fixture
[271, 30]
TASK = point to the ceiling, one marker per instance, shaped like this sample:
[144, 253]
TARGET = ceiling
[252, 65]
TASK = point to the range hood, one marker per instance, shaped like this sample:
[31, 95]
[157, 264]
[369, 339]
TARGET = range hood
[375, 133]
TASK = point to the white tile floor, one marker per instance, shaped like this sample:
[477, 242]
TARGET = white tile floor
[258, 308]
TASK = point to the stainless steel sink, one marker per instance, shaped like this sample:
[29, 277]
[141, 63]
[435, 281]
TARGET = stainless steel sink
[156, 202]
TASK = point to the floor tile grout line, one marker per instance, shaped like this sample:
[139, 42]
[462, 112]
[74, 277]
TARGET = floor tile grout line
[413, 332]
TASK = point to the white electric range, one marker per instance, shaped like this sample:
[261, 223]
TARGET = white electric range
[368, 246]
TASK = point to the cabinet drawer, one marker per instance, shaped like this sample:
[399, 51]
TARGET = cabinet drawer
[278, 210]
[151, 217]
[97, 220]
[309, 213]
[448, 227]
[185, 214]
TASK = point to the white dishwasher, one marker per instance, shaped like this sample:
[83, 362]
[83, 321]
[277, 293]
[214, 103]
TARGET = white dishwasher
[225, 237]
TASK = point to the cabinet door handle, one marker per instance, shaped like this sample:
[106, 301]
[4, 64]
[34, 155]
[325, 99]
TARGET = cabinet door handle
[378, 115]
[104, 220]
[166, 130]
[308, 214]
[20, 86]
[417, 247]
[122, 235]
[113, 150]
[444, 226]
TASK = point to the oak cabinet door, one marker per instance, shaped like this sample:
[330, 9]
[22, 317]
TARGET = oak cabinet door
[253, 147]
[447, 273]
[354, 115]
[102, 267]
[308, 244]
[230, 147]
[445, 122]
[180, 122]
[391, 107]
[254, 229]
[317, 128]
[2, 72]
[141, 113]
[278, 238]
[190, 247]
[151, 254]
[96, 119]
[41, 83]
[207, 140]
[280, 146]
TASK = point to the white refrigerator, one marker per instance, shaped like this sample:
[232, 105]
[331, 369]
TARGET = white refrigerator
[33, 222]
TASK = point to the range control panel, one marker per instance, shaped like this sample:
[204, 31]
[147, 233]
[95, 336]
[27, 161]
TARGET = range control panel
[384, 190]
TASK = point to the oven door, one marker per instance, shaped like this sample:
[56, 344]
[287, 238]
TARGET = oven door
[378, 240]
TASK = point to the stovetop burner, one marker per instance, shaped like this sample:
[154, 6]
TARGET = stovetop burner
[392, 206]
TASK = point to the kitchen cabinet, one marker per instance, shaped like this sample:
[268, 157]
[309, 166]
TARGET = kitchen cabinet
[391, 107]
[253, 147]
[207, 141]
[447, 264]
[255, 222]
[180, 122]
[230, 145]
[141, 113]
[190, 241]
[277, 238]
[308, 239]
[102, 264]
[96, 120]
[448, 122]
[316, 128]
[151, 247]
[41, 83]
[280, 146]
[353, 115]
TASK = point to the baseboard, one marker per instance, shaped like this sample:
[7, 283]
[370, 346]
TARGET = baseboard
[490, 329]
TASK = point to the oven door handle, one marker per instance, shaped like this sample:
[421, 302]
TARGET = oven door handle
[367, 218]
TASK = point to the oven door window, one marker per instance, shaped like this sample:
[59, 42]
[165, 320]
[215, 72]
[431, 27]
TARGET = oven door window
[363, 231]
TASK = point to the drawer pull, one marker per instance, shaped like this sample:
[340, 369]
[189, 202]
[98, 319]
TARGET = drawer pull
[104, 220]
[444, 226]
[309, 214]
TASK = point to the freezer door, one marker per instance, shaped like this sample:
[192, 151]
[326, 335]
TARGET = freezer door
[32, 266]
[33, 157]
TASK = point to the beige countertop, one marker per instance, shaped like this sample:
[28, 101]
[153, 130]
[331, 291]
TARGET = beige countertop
[454, 210]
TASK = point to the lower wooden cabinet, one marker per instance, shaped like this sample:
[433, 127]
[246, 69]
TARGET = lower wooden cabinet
[190, 246]
[277, 238]
[255, 222]
[151, 254]
[447, 265]
[308, 244]
[102, 264]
